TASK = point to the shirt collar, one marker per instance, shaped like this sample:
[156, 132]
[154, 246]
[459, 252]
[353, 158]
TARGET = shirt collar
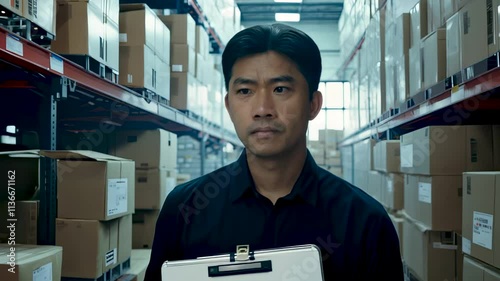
[305, 188]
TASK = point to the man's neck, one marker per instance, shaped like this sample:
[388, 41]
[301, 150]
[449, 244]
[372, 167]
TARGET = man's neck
[275, 177]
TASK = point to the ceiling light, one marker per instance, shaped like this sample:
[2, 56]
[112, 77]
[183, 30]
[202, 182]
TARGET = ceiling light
[288, 17]
[288, 1]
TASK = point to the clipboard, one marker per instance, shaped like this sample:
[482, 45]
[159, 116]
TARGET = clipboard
[302, 262]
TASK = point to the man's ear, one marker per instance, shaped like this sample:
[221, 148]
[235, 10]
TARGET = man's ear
[315, 105]
[226, 101]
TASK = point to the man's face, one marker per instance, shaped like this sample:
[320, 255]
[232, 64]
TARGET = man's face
[268, 102]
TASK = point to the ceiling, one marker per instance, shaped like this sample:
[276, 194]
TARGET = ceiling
[310, 10]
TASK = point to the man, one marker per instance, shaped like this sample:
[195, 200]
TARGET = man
[275, 195]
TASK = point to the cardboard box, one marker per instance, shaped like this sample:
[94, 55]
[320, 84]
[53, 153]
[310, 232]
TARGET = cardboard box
[475, 270]
[481, 213]
[374, 187]
[435, 15]
[42, 13]
[139, 263]
[112, 45]
[137, 67]
[480, 22]
[415, 70]
[434, 201]
[200, 68]
[402, 79]
[183, 93]
[27, 217]
[496, 147]
[418, 18]
[137, 26]
[182, 29]
[447, 150]
[152, 187]
[163, 78]
[453, 45]
[112, 10]
[32, 262]
[15, 6]
[394, 191]
[21, 168]
[92, 185]
[387, 156]
[98, 249]
[450, 7]
[429, 255]
[124, 238]
[143, 228]
[150, 149]
[434, 57]
[80, 30]
[182, 58]
[202, 46]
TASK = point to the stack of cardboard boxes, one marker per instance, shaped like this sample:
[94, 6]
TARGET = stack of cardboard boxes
[325, 152]
[144, 50]
[88, 28]
[19, 215]
[183, 85]
[480, 220]
[39, 12]
[433, 160]
[155, 155]
[95, 203]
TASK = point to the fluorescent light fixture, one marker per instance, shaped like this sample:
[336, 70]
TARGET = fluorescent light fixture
[288, 1]
[289, 17]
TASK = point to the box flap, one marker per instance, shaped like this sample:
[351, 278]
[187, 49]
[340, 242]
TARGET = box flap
[33, 153]
[80, 155]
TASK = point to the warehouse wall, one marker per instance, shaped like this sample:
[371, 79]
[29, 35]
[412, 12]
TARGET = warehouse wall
[326, 35]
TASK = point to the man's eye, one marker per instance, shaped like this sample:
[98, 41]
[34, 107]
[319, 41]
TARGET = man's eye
[280, 90]
[243, 91]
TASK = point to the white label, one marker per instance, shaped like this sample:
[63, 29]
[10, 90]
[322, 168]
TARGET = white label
[425, 192]
[390, 186]
[56, 63]
[14, 45]
[130, 78]
[43, 273]
[177, 68]
[123, 38]
[110, 257]
[482, 230]
[457, 94]
[117, 196]
[407, 156]
[466, 245]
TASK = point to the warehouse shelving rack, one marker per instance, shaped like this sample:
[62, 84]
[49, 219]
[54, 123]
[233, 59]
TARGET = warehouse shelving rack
[468, 97]
[44, 92]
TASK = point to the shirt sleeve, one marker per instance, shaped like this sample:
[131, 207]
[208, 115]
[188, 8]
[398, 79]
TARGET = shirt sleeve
[384, 255]
[166, 238]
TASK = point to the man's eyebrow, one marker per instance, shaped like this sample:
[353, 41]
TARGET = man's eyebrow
[243, 80]
[281, 79]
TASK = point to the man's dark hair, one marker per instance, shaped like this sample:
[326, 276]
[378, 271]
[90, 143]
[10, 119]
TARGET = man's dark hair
[281, 38]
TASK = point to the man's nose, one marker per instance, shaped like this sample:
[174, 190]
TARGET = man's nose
[264, 106]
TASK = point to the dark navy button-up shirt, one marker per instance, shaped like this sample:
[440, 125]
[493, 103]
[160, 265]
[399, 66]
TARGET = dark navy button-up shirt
[218, 211]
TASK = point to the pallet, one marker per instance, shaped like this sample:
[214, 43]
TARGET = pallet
[92, 65]
[111, 275]
[25, 28]
[149, 96]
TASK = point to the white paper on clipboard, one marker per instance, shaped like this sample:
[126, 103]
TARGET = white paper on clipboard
[266, 265]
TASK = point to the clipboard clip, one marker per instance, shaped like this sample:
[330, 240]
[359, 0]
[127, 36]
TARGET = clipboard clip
[242, 254]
